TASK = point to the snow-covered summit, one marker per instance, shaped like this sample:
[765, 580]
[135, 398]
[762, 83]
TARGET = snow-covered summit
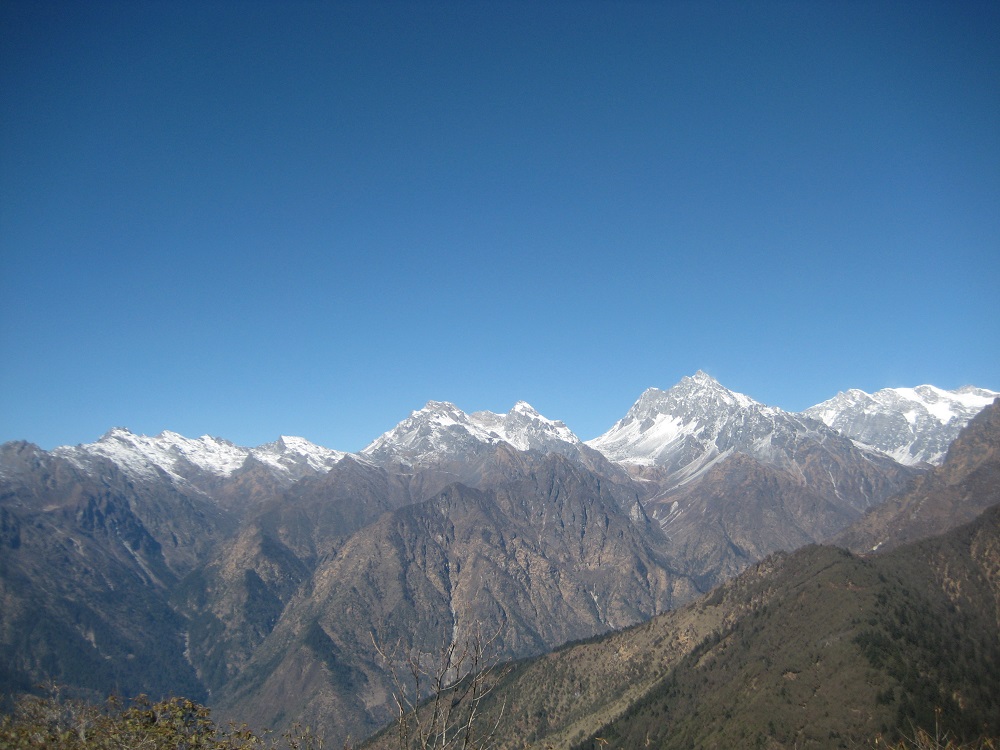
[296, 456]
[441, 429]
[913, 425]
[660, 421]
[685, 429]
[438, 428]
[185, 459]
[697, 423]
[168, 452]
[526, 429]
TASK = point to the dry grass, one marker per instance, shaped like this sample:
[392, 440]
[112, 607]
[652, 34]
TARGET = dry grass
[923, 740]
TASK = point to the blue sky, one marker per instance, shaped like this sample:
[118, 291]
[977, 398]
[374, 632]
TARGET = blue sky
[249, 219]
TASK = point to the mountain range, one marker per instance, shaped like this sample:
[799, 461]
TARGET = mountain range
[260, 579]
[812, 648]
[689, 426]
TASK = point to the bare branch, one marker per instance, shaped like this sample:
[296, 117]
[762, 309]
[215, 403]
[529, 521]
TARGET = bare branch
[449, 690]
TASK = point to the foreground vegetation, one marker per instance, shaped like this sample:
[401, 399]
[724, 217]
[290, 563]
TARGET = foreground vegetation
[57, 723]
[924, 740]
[54, 722]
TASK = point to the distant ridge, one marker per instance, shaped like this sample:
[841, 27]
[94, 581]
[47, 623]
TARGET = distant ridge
[913, 425]
[966, 484]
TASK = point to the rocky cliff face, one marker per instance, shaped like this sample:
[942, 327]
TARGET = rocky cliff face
[87, 561]
[743, 509]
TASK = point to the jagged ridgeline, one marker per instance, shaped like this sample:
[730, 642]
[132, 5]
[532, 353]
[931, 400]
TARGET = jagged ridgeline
[262, 580]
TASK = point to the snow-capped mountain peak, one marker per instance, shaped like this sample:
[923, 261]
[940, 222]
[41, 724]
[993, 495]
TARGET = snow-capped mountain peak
[442, 429]
[661, 425]
[144, 456]
[296, 456]
[692, 427]
[185, 459]
[685, 429]
[913, 425]
[526, 429]
[437, 429]
[704, 386]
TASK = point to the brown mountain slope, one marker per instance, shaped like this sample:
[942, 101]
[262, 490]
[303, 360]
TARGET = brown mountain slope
[847, 649]
[780, 493]
[235, 600]
[85, 569]
[741, 511]
[814, 649]
[954, 493]
[565, 695]
[553, 554]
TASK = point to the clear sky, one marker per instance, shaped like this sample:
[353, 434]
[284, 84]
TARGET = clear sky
[249, 219]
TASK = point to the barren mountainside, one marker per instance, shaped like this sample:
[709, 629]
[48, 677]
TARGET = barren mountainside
[814, 649]
[261, 579]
